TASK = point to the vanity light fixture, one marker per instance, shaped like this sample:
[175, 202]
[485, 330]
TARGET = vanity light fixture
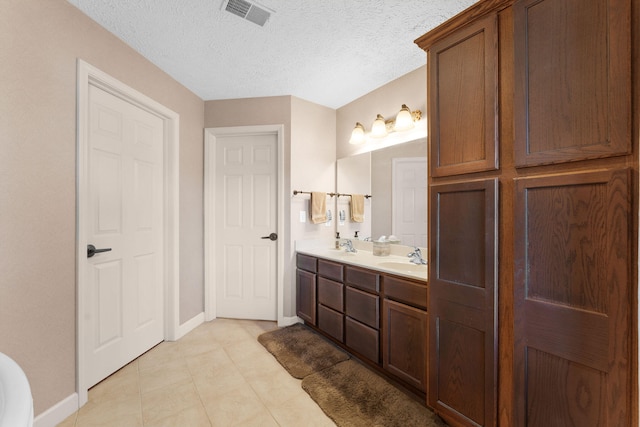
[404, 120]
[357, 135]
[379, 127]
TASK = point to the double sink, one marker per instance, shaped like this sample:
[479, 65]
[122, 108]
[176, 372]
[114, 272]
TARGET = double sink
[395, 263]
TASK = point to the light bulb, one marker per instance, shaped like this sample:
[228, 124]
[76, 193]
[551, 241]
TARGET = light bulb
[404, 119]
[379, 128]
[357, 134]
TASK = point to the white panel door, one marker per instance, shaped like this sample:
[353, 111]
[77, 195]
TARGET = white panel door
[124, 286]
[246, 212]
[409, 200]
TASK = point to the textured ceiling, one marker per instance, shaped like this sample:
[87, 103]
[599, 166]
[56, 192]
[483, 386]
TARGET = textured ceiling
[326, 51]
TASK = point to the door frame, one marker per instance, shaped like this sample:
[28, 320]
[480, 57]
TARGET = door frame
[210, 196]
[89, 75]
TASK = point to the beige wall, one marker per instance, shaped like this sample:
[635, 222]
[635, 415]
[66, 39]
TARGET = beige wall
[410, 89]
[313, 156]
[39, 44]
[309, 138]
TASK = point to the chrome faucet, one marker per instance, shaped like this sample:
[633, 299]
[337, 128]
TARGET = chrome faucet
[348, 246]
[416, 256]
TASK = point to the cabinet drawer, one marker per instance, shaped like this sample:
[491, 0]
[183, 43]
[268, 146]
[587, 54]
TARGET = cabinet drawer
[363, 339]
[331, 270]
[363, 279]
[331, 322]
[362, 306]
[306, 262]
[330, 293]
[406, 291]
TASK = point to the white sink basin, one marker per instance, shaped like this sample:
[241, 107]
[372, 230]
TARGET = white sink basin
[402, 266]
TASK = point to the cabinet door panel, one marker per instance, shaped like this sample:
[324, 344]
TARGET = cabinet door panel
[462, 302]
[573, 80]
[572, 243]
[404, 342]
[306, 296]
[463, 107]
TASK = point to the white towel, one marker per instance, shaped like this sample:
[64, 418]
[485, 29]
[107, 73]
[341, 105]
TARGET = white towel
[318, 207]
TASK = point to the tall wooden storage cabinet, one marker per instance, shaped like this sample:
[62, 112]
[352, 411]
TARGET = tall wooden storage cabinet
[533, 186]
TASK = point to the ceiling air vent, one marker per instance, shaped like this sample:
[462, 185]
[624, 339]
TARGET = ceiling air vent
[249, 11]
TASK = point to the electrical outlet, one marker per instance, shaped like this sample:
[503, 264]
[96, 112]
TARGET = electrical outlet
[303, 216]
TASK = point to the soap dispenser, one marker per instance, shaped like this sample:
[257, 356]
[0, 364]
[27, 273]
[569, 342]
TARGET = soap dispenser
[337, 240]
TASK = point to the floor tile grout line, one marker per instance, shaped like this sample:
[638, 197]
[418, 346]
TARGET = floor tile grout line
[199, 396]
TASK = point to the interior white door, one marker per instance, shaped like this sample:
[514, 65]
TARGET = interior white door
[409, 200]
[124, 286]
[246, 214]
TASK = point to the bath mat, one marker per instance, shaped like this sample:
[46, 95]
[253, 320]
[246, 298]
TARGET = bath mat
[301, 350]
[354, 396]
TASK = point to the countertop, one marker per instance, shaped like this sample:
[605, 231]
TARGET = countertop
[396, 263]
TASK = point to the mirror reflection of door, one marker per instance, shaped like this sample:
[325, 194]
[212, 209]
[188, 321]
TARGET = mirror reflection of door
[409, 200]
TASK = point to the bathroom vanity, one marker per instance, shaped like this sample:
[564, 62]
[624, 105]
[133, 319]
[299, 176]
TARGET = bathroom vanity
[374, 307]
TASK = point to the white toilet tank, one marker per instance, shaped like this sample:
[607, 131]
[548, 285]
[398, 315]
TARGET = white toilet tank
[16, 403]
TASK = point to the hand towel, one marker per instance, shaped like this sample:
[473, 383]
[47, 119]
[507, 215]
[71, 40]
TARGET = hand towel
[357, 207]
[318, 207]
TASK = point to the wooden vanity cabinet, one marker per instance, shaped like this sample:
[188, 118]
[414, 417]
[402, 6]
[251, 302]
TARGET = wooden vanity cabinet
[404, 330]
[306, 288]
[380, 318]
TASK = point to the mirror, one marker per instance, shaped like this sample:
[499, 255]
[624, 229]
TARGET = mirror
[353, 176]
[396, 178]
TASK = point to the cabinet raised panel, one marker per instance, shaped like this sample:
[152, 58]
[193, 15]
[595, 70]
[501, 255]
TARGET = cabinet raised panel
[572, 243]
[462, 301]
[405, 327]
[573, 80]
[306, 296]
[463, 103]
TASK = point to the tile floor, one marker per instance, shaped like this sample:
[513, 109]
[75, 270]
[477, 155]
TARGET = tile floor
[217, 375]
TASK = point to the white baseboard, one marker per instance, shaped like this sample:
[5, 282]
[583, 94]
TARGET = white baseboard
[189, 325]
[288, 321]
[58, 412]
